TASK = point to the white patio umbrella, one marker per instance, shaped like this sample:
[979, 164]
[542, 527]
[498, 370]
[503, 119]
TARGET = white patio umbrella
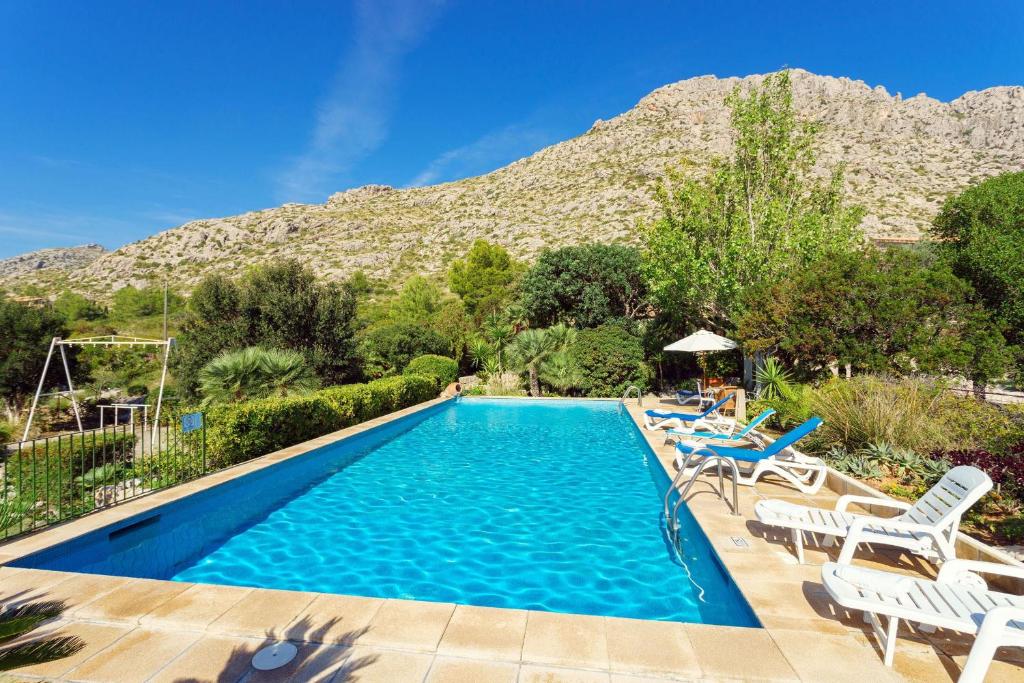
[702, 342]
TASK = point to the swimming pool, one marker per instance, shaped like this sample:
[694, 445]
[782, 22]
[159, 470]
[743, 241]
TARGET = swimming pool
[534, 504]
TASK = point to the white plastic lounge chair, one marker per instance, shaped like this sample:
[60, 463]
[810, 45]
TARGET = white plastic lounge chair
[958, 599]
[1001, 627]
[661, 419]
[777, 457]
[927, 528]
[703, 396]
[722, 430]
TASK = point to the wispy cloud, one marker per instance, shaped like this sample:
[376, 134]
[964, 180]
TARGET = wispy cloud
[484, 154]
[353, 118]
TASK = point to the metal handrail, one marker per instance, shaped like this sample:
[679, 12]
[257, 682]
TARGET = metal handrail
[639, 394]
[711, 458]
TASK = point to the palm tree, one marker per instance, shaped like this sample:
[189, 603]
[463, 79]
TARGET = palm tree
[254, 373]
[500, 334]
[531, 348]
[287, 372]
[559, 372]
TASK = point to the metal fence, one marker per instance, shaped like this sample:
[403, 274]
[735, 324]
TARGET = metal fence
[52, 479]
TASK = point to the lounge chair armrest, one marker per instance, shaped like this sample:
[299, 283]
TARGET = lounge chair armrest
[952, 568]
[864, 526]
[844, 501]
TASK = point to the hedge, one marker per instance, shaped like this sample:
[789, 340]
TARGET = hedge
[237, 432]
[445, 370]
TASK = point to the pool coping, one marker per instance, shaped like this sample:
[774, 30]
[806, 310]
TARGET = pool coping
[424, 639]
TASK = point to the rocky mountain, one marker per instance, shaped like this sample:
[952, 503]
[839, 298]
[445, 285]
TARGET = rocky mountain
[903, 157]
[59, 260]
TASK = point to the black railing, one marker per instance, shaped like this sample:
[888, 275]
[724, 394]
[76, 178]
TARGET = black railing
[52, 479]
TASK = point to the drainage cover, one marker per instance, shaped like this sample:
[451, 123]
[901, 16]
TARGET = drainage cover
[273, 656]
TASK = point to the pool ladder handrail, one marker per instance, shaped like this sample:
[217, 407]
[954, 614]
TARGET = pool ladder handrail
[709, 458]
[639, 395]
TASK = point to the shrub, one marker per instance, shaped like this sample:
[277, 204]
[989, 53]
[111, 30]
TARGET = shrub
[870, 409]
[387, 349]
[1006, 470]
[503, 384]
[444, 370]
[241, 431]
[6, 432]
[610, 359]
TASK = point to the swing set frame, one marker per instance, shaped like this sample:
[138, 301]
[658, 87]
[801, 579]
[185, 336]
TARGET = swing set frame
[58, 344]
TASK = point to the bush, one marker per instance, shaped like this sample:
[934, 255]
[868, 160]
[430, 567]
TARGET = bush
[241, 431]
[870, 409]
[445, 370]
[387, 349]
[610, 359]
[6, 432]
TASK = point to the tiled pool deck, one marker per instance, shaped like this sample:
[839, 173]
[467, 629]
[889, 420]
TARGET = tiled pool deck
[145, 630]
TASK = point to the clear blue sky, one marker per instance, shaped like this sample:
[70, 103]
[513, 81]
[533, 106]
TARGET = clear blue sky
[120, 119]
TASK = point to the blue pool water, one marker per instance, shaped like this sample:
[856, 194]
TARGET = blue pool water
[550, 505]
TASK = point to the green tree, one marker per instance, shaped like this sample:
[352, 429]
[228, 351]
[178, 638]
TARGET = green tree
[609, 359]
[280, 306]
[896, 311]
[25, 334]
[418, 302]
[254, 372]
[584, 286]
[485, 279]
[131, 303]
[754, 218]
[981, 233]
[75, 307]
[386, 349]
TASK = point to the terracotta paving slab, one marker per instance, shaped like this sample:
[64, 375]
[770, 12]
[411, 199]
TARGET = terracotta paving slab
[134, 658]
[262, 613]
[334, 619]
[456, 670]
[196, 607]
[372, 665]
[566, 640]
[95, 638]
[639, 646]
[485, 633]
[408, 625]
[752, 655]
[124, 602]
[211, 658]
[529, 673]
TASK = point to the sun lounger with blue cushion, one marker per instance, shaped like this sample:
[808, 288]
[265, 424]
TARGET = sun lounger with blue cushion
[727, 431]
[778, 457]
[659, 419]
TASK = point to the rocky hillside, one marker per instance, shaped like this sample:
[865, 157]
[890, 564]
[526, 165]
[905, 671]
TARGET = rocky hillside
[52, 261]
[903, 157]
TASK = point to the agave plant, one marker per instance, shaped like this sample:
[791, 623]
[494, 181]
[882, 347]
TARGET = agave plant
[254, 373]
[773, 379]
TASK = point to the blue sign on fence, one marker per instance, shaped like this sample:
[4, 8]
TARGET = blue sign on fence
[191, 422]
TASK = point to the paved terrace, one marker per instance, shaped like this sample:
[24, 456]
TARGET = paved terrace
[146, 630]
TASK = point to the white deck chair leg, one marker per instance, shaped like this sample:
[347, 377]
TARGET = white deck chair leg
[886, 634]
[828, 541]
[798, 541]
